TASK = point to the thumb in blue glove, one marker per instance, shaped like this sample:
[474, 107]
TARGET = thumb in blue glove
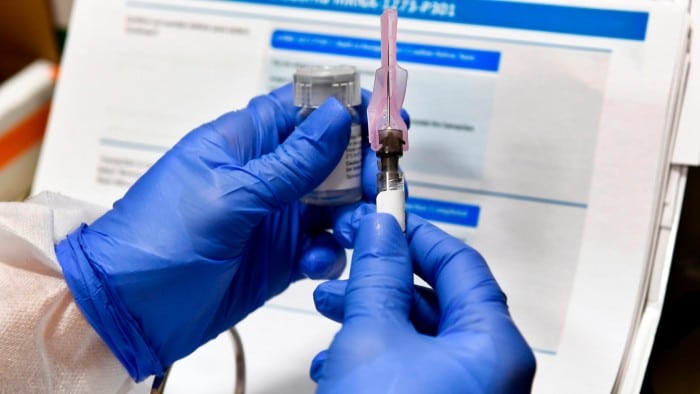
[209, 233]
[475, 347]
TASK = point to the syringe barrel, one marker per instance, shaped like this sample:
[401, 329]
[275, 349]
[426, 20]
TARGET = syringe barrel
[391, 197]
[390, 183]
[389, 176]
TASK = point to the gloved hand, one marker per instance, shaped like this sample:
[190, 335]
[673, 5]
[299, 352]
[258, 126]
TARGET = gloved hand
[386, 344]
[210, 232]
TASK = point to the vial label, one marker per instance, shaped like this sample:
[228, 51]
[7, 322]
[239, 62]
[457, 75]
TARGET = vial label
[347, 174]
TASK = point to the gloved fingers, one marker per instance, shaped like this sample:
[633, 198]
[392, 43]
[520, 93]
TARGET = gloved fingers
[275, 112]
[259, 128]
[425, 311]
[329, 298]
[317, 365]
[273, 117]
[347, 219]
[431, 248]
[304, 160]
[369, 174]
[323, 217]
[322, 257]
[285, 97]
[381, 276]
[457, 272]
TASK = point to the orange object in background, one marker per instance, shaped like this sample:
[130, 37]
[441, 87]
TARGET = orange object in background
[23, 136]
[24, 110]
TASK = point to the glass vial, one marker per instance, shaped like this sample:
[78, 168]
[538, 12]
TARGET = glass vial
[312, 86]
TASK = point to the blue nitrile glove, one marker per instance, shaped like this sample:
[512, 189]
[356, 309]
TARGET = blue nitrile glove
[210, 232]
[475, 346]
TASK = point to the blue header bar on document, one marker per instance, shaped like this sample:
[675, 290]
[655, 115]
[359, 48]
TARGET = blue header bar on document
[443, 211]
[406, 52]
[584, 21]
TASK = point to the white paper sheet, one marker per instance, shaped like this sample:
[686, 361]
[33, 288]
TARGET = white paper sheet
[687, 150]
[553, 149]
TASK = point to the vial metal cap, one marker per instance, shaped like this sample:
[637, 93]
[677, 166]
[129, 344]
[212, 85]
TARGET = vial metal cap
[314, 84]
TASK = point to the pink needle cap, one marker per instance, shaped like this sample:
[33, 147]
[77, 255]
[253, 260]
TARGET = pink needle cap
[384, 109]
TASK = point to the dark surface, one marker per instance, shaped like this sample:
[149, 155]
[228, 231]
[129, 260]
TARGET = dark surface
[26, 34]
[674, 366]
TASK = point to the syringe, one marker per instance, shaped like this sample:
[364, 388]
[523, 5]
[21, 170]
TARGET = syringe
[388, 134]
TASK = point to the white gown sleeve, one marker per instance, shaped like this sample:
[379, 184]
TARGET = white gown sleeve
[46, 345]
